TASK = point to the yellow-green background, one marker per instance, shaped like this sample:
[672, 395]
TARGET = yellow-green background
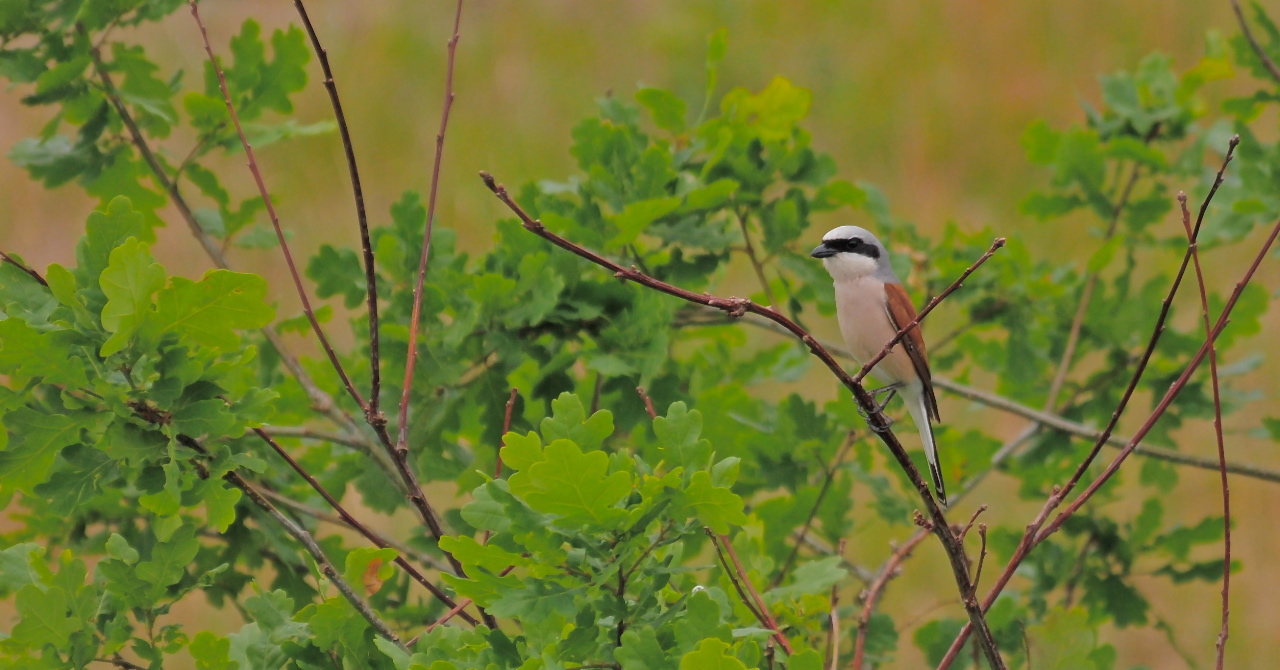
[927, 100]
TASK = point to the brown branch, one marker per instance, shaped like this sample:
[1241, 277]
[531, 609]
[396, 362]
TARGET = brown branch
[506, 428]
[828, 477]
[902, 332]
[1217, 429]
[411, 361]
[303, 537]
[982, 558]
[878, 423]
[648, 402]
[271, 213]
[462, 604]
[1041, 418]
[321, 515]
[320, 400]
[1271, 66]
[750, 597]
[1038, 530]
[372, 412]
[353, 522]
[34, 275]
[872, 594]
[399, 453]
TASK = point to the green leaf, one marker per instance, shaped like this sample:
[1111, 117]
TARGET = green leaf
[715, 507]
[573, 485]
[1063, 641]
[811, 578]
[637, 216]
[521, 451]
[37, 439]
[211, 652]
[568, 421]
[119, 549]
[77, 480]
[17, 566]
[129, 281]
[46, 617]
[209, 417]
[219, 503]
[367, 565]
[668, 110]
[640, 651]
[169, 560]
[678, 433]
[208, 312]
[710, 655]
[27, 353]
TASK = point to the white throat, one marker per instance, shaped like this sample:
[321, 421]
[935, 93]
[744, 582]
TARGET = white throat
[849, 267]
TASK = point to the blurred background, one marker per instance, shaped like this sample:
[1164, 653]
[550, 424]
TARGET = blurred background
[927, 100]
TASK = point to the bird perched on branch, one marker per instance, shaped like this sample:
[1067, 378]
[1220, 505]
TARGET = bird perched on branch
[872, 306]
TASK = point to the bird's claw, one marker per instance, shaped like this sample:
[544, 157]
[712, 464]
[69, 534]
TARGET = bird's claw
[891, 390]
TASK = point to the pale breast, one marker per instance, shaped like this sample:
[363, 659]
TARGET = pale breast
[864, 323]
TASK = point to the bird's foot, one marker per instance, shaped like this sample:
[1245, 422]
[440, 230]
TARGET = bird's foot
[891, 390]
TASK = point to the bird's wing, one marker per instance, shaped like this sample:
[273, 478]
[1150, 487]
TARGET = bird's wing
[902, 312]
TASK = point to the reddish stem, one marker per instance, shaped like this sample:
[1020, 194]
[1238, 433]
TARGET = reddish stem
[403, 436]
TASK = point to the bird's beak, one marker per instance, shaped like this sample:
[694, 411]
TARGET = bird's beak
[822, 251]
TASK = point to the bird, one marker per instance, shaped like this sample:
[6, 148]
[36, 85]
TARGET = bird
[871, 307]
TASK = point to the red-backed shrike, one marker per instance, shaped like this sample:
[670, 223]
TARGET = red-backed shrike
[871, 306]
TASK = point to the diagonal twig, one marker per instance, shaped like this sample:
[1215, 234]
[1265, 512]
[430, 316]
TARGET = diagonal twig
[902, 332]
[1041, 528]
[271, 213]
[303, 537]
[412, 356]
[872, 594]
[1217, 430]
[1269, 64]
[828, 478]
[34, 275]
[878, 423]
[355, 523]
[738, 575]
[372, 411]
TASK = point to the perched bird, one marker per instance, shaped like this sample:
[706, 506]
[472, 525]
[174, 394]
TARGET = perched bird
[871, 306]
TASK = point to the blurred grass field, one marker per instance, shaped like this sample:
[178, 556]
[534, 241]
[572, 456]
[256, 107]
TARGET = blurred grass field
[927, 100]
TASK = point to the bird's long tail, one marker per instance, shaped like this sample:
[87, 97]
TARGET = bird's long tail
[920, 413]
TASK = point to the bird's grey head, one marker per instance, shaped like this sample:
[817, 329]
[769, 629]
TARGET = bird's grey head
[850, 252]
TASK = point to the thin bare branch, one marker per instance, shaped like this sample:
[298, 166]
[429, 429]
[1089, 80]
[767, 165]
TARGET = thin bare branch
[1046, 419]
[34, 275]
[372, 411]
[1217, 430]
[873, 592]
[879, 424]
[303, 537]
[321, 515]
[750, 597]
[271, 213]
[353, 522]
[1040, 528]
[648, 402]
[411, 361]
[1269, 64]
[902, 332]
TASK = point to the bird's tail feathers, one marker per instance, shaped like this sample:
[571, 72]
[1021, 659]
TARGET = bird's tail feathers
[920, 412]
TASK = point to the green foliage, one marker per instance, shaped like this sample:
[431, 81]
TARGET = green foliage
[130, 394]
